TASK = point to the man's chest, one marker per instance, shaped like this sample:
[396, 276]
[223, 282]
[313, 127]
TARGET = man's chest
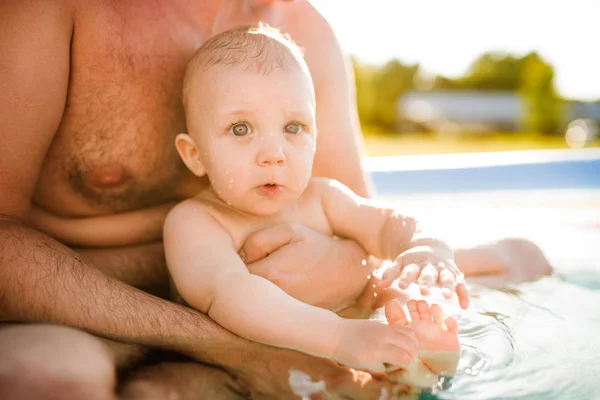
[114, 149]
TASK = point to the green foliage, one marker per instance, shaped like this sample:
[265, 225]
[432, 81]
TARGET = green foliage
[544, 113]
[493, 71]
[365, 93]
[379, 88]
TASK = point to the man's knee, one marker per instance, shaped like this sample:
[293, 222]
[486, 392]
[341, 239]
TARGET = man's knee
[54, 362]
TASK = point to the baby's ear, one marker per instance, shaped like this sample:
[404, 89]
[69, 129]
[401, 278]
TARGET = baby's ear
[189, 154]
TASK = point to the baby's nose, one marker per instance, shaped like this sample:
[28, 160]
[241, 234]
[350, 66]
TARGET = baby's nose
[271, 155]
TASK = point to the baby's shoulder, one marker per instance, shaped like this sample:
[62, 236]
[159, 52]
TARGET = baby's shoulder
[322, 186]
[193, 208]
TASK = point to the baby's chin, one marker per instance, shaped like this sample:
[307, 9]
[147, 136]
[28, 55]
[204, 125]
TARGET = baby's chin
[260, 208]
[264, 210]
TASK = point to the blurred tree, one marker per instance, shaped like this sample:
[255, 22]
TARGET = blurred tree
[530, 76]
[378, 89]
[443, 83]
[390, 82]
[365, 92]
[544, 108]
[493, 71]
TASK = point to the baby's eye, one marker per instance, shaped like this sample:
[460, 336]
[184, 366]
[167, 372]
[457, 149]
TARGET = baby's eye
[240, 129]
[292, 128]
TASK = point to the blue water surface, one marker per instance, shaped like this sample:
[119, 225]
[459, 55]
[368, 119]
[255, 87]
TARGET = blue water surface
[527, 340]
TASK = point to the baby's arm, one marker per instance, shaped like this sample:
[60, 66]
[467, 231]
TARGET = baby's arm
[387, 234]
[211, 277]
[123, 229]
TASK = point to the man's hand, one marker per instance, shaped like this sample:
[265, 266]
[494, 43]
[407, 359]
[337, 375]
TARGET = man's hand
[312, 267]
[272, 373]
[428, 266]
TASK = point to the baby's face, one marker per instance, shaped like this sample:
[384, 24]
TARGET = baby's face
[256, 135]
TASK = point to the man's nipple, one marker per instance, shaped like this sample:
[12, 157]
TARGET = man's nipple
[107, 176]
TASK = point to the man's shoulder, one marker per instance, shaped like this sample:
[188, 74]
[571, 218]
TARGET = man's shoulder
[320, 38]
[322, 51]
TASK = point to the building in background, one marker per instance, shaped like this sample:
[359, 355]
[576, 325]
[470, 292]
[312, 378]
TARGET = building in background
[475, 111]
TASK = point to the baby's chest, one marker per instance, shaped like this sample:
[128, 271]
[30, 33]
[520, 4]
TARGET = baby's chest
[280, 231]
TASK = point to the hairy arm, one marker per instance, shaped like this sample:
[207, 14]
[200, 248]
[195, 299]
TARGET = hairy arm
[211, 277]
[142, 266]
[41, 279]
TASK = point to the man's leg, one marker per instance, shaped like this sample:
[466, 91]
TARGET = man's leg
[57, 362]
[54, 362]
[186, 380]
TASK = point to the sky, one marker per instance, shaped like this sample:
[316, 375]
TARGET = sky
[445, 36]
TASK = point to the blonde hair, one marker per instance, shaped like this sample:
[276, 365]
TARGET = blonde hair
[261, 49]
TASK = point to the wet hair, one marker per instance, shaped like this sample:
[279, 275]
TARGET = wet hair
[261, 49]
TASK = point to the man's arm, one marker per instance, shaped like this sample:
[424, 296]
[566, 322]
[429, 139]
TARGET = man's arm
[141, 266]
[339, 141]
[43, 281]
[40, 279]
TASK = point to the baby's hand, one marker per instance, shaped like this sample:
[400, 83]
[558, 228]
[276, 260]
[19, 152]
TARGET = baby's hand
[373, 346]
[428, 266]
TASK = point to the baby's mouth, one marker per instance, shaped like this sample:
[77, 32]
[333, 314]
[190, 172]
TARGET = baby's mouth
[269, 189]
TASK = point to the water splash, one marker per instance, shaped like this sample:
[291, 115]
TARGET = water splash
[302, 384]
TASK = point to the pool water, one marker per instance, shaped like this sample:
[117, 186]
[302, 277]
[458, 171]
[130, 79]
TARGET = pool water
[528, 340]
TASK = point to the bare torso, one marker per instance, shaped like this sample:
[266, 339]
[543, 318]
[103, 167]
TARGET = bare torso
[114, 148]
[114, 152]
[307, 211]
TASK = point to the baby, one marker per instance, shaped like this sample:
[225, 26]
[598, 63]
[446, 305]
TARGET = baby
[250, 109]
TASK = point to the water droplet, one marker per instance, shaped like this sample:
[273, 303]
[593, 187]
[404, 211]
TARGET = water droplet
[374, 294]
[368, 276]
[363, 262]
[230, 183]
[374, 285]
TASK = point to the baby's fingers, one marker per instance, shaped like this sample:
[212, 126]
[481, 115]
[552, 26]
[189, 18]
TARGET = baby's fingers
[428, 278]
[447, 282]
[463, 295]
[390, 275]
[408, 275]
